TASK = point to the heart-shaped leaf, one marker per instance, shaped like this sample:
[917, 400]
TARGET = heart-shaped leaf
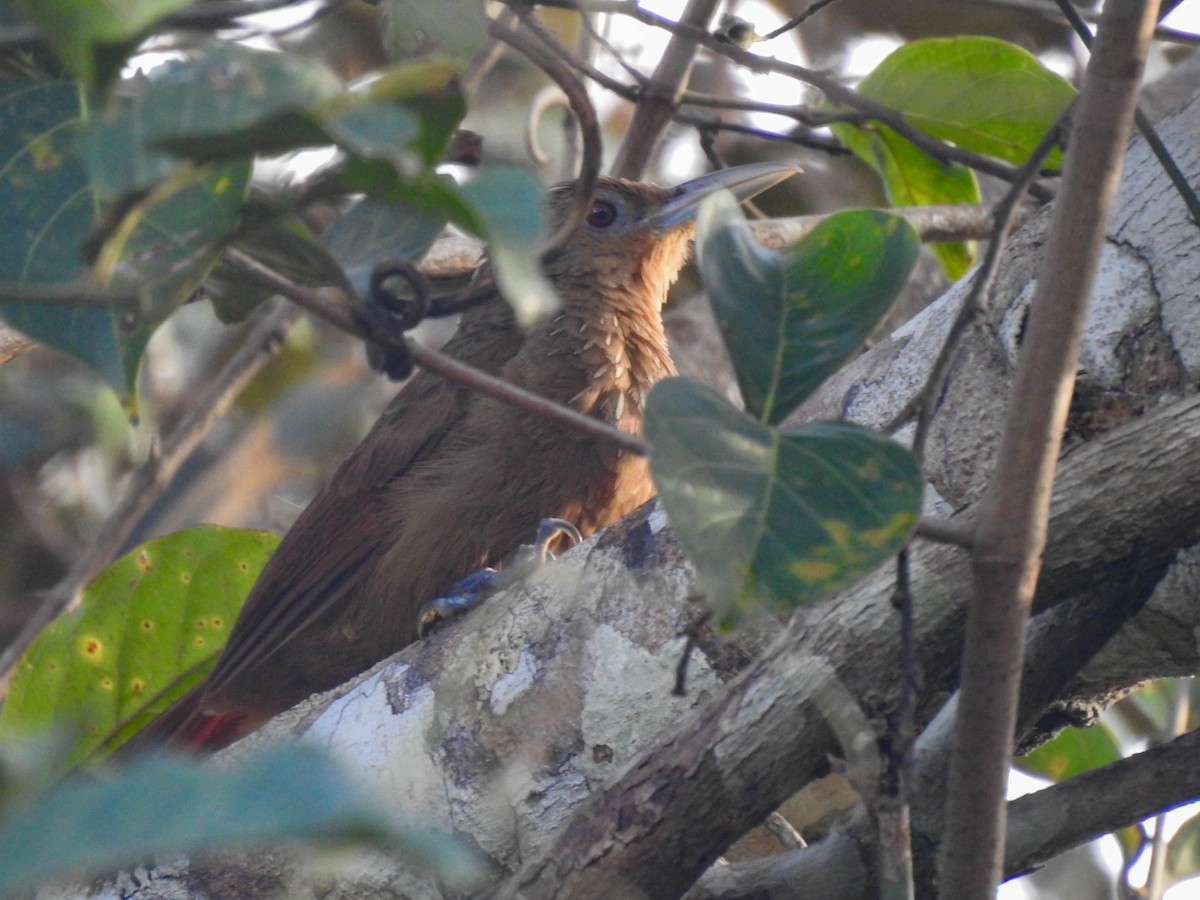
[791, 317]
[149, 627]
[773, 520]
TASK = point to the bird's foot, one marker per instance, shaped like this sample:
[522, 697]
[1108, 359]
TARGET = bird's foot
[467, 593]
[464, 595]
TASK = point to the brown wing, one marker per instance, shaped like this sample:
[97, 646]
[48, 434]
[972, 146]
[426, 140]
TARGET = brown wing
[328, 548]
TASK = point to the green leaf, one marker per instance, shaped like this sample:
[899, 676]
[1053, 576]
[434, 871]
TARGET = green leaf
[93, 37]
[429, 89]
[373, 231]
[226, 102]
[416, 28]
[287, 247]
[979, 93]
[167, 242]
[379, 131]
[48, 211]
[161, 805]
[773, 520]
[1183, 852]
[911, 177]
[791, 317]
[270, 103]
[507, 205]
[149, 627]
[1072, 752]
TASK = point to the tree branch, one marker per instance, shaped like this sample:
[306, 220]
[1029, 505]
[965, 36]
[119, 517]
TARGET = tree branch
[660, 97]
[1011, 529]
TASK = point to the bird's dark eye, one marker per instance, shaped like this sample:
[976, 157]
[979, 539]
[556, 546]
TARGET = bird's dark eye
[602, 214]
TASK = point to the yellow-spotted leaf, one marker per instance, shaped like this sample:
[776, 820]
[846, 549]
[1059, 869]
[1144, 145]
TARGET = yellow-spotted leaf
[149, 627]
[775, 519]
[791, 317]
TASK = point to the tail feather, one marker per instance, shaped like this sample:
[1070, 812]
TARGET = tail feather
[185, 727]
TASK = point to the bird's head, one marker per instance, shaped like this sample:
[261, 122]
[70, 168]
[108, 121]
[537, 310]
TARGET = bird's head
[635, 236]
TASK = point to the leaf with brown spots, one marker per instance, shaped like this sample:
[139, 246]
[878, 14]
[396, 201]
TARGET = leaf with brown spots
[149, 627]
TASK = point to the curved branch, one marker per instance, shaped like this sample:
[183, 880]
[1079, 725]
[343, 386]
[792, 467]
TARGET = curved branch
[585, 114]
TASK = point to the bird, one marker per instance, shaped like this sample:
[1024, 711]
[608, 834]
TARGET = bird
[448, 481]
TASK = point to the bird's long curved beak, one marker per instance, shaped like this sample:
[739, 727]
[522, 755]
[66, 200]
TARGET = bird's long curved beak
[743, 181]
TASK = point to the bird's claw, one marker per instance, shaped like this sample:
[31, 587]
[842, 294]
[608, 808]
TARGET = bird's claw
[467, 593]
[551, 529]
[464, 595]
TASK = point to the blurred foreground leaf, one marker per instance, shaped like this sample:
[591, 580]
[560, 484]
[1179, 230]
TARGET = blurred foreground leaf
[93, 37]
[163, 805]
[48, 206]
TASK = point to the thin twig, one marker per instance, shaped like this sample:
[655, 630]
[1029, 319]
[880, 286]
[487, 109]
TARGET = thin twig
[944, 531]
[584, 187]
[1051, 12]
[1144, 126]
[71, 294]
[1156, 878]
[832, 88]
[801, 136]
[808, 13]
[924, 404]
[893, 814]
[153, 477]
[660, 97]
[633, 93]
[572, 59]
[448, 367]
[639, 78]
[1013, 514]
